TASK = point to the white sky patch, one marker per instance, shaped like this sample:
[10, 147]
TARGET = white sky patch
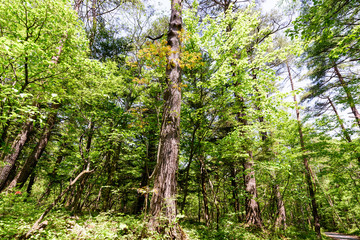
[269, 5]
[162, 5]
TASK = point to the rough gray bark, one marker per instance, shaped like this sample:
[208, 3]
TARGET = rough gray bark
[16, 147]
[163, 202]
[309, 180]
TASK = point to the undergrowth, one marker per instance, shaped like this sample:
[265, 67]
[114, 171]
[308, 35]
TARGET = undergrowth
[18, 213]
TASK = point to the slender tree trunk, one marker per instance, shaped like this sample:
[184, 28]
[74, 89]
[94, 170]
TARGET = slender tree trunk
[111, 163]
[34, 157]
[280, 221]
[192, 148]
[4, 134]
[235, 191]
[350, 98]
[52, 176]
[215, 200]
[16, 147]
[140, 199]
[68, 199]
[309, 180]
[203, 176]
[346, 134]
[149, 162]
[199, 202]
[163, 201]
[75, 205]
[31, 183]
[86, 198]
[343, 129]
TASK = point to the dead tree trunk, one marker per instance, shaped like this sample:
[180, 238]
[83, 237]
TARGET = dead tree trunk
[309, 180]
[163, 202]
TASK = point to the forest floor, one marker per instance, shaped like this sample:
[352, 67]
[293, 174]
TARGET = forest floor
[18, 213]
[339, 236]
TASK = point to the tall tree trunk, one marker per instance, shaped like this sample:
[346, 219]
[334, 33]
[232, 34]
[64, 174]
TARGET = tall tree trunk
[203, 176]
[110, 159]
[346, 134]
[149, 162]
[309, 180]
[52, 176]
[4, 134]
[16, 148]
[235, 191]
[280, 221]
[350, 98]
[252, 209]
[34, 157]
[187, 172]
[253, 215]
[163, 201]
[31, 183]
[343, 129]
[75, 205]
[86, 198]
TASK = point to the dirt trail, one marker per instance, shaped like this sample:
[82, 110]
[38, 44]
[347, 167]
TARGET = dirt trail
[339, 236]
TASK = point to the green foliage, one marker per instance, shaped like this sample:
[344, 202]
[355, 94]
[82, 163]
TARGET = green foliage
[110, 90]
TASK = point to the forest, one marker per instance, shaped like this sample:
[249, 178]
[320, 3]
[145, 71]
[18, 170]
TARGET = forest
[179, 119]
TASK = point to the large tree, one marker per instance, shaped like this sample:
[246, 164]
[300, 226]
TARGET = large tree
[163, 201]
